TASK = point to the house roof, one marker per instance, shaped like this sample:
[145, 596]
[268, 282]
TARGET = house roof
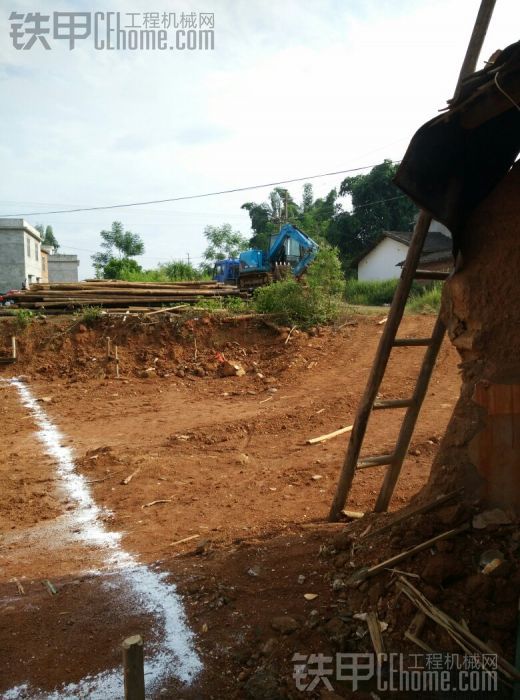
[456, 159]
[435, 242]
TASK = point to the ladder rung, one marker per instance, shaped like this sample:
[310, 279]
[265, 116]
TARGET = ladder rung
[402, 342]
[378, 461]
[392, 403]
[431, 275]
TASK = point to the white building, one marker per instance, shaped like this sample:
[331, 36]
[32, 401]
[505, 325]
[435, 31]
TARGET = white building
[20, 254]
[382, 260]
[24, 261]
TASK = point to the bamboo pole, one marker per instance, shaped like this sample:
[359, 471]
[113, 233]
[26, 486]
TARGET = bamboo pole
[133, 662]
[13, 345]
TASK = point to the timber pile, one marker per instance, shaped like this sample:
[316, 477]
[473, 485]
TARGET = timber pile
[111, 294]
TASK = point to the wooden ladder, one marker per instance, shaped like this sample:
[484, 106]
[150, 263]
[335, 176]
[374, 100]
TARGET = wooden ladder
[389, 340]
[369, 402]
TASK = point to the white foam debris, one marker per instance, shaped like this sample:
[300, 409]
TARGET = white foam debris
[173, 652]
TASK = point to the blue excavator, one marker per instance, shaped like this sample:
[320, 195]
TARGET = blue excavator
[291, 252]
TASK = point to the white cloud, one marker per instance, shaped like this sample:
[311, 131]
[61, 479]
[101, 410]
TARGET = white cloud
[292, 89]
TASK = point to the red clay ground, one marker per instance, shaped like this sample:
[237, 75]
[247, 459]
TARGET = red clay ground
[228, 455]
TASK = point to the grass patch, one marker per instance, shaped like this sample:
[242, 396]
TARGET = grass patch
[424, 298]
[230, 304]
[90, 314]
[428, 301]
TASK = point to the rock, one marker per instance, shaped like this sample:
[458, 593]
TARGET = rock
[254, 571]
[442, 567]
[488, 518]
[335, 626]
[415, 453]
[301, 579]
[451, 515]
[268, 647]
[314, 618]
[284, 624]
[342, 541]
[243, 459]
[82, 328]
[310, 596]
[231, 369]
[263, 685]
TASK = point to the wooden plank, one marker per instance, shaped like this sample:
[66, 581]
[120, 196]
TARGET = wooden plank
[329, 436]
[374, 630]
[431, 275]
[411, 342]
[376, 461]
[392, 403]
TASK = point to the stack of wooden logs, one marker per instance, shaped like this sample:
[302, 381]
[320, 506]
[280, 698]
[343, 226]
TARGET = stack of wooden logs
[115, 294]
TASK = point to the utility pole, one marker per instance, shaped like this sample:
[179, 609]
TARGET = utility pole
[188, 258]
[286, 208]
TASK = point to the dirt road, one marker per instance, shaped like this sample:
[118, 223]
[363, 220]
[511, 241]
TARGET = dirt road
[222, 460]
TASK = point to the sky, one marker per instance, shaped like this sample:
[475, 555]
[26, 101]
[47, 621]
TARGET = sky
[291, 89]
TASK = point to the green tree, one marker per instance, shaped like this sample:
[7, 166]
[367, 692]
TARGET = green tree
[47, 236]
[377, 205]
[223, 242]
[178, 270]
[50, 239]
[119, 246]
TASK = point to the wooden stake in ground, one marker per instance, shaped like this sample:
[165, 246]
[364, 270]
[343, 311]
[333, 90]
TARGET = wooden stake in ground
[108, 349]
[116, 355]
[13, 343]
[133, 662]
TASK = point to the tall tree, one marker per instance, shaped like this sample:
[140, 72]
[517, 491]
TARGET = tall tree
[223, 242]
[47, 236]
[50, 239]
[377, 203]
[119, 247]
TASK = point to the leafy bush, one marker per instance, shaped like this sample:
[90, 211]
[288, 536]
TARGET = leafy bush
[174, 271]
[23, 317]
[90, 314]
[316, 300]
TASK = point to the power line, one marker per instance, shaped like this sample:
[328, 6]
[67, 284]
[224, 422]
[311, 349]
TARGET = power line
[192, 196]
